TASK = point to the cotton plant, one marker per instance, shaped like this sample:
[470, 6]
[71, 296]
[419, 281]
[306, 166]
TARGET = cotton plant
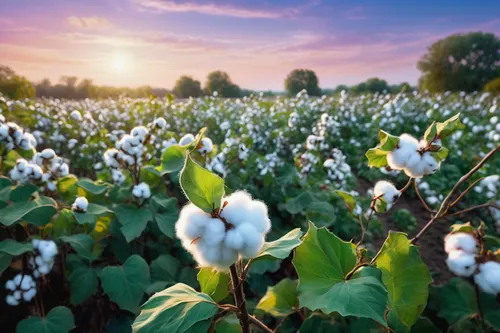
[21, 288]
[12, 136]
[338, 170]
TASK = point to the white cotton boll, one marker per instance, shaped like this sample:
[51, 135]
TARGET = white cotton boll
[139, 132]
[48, 153]
[35, 243]
[207, 146]
[186, 139]
[387, 190]
[191, 223]
[4, 131]
[233, 240]
[39, 261]
[36, 171]
[81, 204]
[329, 163]
[10, 285]
[257, 215]
[488, 278]
[17, 295]
[461, 263]
[26, 282]
[51, 186]
[14, 174]
[252, 240]
[460, 241]
[160, 122]
[215, 232]
[64, 170]
[11, 300]
[28, 295]
[430, 164]
[237, 207]
[72, 143]
[21, 164]
[76, 115]
[44, 269]
[46, 176]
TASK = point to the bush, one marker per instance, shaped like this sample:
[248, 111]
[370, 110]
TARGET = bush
[405, 220]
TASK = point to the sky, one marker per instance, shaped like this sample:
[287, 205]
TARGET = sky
[258, 42]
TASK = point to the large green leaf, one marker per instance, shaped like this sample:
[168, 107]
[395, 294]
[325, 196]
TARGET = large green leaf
[456, 301]
[22, 193]
[67, 188]
[125, 285]
[5, 189]
[214, 283]
[319, 323]
[406, 278]
[376, 157]
[203, 188]
[172, 159]
[133, 220]
[62, 225]
[323, 261]
[32, 210]
[308, 201]
[96, 188]
[447, 127]
[348, 198]
[281, 248]
[81, 243]
[281, 299]
[178, 309]
[5, 260]
[14, 248]
[164, 270]
[83, 283]
[228, 324]
[58, 320]
[388, 142]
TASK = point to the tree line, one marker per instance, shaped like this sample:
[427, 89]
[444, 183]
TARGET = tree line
[461, 62]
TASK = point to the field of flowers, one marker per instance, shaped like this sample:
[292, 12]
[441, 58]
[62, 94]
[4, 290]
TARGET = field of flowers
[97, 224]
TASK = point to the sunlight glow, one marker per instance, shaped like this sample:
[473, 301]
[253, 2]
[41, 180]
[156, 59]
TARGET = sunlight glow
[120, 63]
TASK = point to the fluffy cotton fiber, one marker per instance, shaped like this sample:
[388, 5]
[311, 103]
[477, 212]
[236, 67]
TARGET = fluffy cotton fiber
[386, 190]
[461, 248]
[216, 244]
[488, 278]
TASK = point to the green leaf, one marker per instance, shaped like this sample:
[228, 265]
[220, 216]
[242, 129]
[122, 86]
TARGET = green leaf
[5, 189]
[323, 262]
[423, 324]
[349, 200]
[376, 158]
[281, 248]
[380, 205]
[58, 320]
[319, 323]
[62, 225]
[406, 278]
[441, 154]
[96, 188]
[22, 193]
[280, 300]
[388, 142]
[83, 283]
[309, 202]
[14, 248]
[203, 188]
[5, 260]
[444, 129]
[125, 285]
[133, 220]
[228, 324]
[81, 243]
[462, 227]
[172, 159]
[92, 214]
[178, 309]
[214, 283]
[456, 301]
[165, 269]
[431, 133]
[67, 188]
[30, 210]
[166, 223]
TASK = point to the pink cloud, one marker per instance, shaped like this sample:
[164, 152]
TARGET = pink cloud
[91, 22]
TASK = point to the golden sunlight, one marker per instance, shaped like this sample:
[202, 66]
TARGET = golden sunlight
[120, 63]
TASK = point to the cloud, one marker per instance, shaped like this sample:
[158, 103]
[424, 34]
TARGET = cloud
[220, 10]
[91, 22]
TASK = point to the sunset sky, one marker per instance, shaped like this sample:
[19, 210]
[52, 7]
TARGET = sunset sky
[138, 42]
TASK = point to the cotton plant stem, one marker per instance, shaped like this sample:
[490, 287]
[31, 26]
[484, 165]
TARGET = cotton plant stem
[427, 208]
[239, 299]
[465, 192]
[260, 325]
[444, 206]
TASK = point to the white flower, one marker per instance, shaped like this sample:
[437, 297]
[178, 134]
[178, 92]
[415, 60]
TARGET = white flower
[488, 278]
[461, 263]
[80, 205]
[460, 241]
[141, 191]
[186, 139]
[218, 242]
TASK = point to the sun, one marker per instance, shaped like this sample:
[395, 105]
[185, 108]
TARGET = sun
[120, 63]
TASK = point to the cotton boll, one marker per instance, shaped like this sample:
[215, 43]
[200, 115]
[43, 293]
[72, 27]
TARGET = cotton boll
[488, 277]
[28, 295]
[252, 239]
[186, 139]
[36, 171]
[35, 243]
[48, 154]
[215, 232]
[207, 146]
[191, 223]
[387, 190]
[429, 163]
[10, 285]
[397, 159]
[21, 164]
[258, 216]
[460, 241]
[237, 207]
[11, 300]
[160, 122]
[400, 157]
[234, 239]
[80, 204]
[461, 263]
[44, 269]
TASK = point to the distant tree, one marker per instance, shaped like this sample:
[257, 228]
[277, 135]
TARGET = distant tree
[300, 79]
[186, 87]
[375, 84]
[460, 62]
[341, 87]
[15, 86]
[493, 86]
[221, 82]
[402, 87]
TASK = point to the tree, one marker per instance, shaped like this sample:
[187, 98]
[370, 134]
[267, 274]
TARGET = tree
[300, 79]
[15, 86]
[460, 62]
[221, 83]
[186, 87]
[372, 85]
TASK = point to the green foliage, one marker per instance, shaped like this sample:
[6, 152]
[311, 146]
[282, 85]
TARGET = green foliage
[404, 219]
[282, 247]
[58, 320]
[14, 248]
[178, 309]
[302, 79]
[493, 86]
[280, 300]
[15, 86]
[460, 62]
[186, 86]
[83, 283]
[133, 220]
[221, 83]
[214, 283]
